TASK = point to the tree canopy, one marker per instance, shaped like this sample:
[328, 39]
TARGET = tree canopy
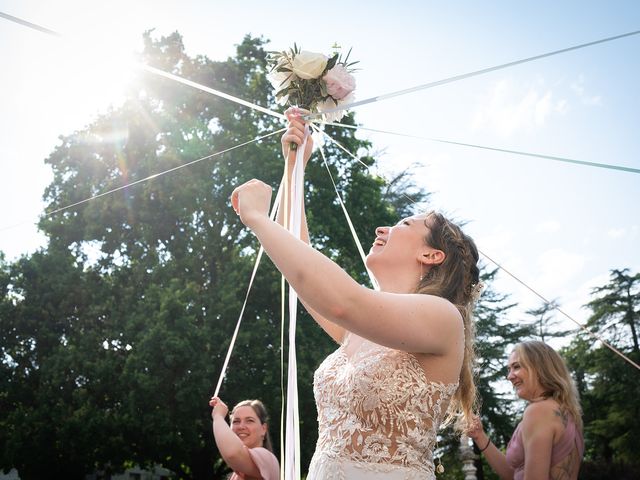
[608, 386]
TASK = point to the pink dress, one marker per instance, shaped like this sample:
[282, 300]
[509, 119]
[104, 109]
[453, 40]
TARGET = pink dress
[570, 439]
[266, 462]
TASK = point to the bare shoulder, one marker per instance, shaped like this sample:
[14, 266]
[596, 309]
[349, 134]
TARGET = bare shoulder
[444, 319]
[540, 410]
[539, 413]
[442, 316]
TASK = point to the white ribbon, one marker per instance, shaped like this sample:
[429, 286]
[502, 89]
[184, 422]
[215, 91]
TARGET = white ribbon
[225, 364]
[354, 234]
[292, 439]
[463, 76]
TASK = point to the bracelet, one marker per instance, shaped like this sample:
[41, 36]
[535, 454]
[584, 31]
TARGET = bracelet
[486, 446]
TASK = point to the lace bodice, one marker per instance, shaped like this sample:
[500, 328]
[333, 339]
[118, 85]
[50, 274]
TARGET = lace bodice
[377, 407]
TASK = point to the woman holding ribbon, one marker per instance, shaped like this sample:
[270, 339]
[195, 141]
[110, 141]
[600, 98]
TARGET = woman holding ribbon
[245, 446]
[404, 364]
[548, 442]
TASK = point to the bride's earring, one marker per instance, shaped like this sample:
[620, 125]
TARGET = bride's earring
[439, 466]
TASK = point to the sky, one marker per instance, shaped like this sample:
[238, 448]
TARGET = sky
[559, 228]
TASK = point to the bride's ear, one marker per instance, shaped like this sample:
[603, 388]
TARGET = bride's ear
[432, 257]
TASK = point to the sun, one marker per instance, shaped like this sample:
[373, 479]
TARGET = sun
[91, 75]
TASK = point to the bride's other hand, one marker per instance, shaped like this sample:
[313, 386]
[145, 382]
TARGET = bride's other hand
[251, 201]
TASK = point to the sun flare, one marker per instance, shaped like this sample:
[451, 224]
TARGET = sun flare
[92, 76]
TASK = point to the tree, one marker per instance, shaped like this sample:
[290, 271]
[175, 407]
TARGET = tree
[546, 323]
[59, 390]
[616, 309]
[608, 385]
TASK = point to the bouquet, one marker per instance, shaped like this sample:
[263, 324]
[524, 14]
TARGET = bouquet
[312, 81]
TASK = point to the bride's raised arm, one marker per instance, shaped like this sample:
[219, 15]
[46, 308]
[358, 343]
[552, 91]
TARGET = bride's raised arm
[394, 317]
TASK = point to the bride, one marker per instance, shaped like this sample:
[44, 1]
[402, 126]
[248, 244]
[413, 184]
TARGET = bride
[404, 364]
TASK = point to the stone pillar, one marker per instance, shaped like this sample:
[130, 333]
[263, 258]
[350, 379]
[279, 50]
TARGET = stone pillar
[467, 456]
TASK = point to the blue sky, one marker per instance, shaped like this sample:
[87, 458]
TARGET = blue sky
[560, 228]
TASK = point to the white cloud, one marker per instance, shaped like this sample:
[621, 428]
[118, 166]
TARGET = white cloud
[579, 296]
[616, 232]
[498, 245]
[498, 240]
[511, 107]
[542, 107]
[562, 106]
[576, 299]
[586, 98]
[550, 226]
[595, 100]
[557, 268]
[627, 233]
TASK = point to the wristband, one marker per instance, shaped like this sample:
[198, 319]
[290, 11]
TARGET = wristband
[486, 446]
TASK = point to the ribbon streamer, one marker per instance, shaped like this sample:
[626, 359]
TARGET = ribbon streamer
[354, 234]
[493, 149]
[274, 212]
[150, 177]
[464, 76]
[292, 439]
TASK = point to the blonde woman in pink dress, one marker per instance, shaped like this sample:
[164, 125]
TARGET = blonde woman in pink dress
[547, 443]
[245, 446]
[406, 350]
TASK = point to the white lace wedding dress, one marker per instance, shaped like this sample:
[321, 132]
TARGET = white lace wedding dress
[378, 415]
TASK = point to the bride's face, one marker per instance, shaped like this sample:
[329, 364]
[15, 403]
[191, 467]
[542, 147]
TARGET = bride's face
[400, 244]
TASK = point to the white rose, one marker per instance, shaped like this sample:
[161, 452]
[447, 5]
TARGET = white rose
[280, 80]
[309, 65]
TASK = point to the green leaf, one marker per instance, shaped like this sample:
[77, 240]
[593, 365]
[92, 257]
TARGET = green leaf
[331, 62]
[347, 57]
[323, 89]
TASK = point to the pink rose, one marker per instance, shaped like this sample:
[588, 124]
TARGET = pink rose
[340, 83]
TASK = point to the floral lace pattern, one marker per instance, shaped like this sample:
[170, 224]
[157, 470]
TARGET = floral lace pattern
[378, 409]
